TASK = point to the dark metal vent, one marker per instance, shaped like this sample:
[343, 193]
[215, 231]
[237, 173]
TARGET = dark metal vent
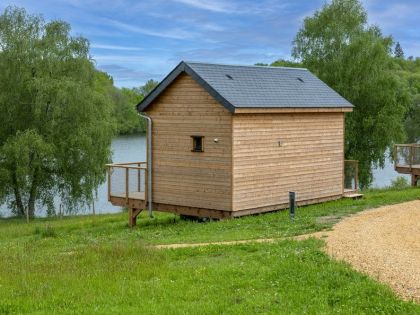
[301, 80]
[229, 76]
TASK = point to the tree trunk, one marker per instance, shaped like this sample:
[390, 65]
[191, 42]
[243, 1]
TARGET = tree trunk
[18, 199]
[32, 194]
[31, 207]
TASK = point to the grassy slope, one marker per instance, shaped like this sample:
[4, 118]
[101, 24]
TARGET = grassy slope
[96, 265]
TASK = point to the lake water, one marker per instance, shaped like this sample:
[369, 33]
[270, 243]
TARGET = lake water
[132, 148]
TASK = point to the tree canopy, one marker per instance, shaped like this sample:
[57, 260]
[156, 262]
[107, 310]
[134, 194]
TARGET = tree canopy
[354, 58]
[409, 72]
[398, 51]
[55, 123]
[124, 102]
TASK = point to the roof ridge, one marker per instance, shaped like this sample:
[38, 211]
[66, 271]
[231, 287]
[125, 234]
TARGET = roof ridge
[243, 66]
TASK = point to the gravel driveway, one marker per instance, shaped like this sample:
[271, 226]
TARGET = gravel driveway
[384, 243]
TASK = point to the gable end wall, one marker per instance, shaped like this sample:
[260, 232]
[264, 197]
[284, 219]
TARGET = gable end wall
[182, 177]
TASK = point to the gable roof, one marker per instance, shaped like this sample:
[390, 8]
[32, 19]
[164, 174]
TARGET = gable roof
[254, 87]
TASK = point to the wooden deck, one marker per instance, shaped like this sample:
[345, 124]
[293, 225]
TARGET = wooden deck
[127, 187]
[407, 169]
[407, 161]
[139, 195]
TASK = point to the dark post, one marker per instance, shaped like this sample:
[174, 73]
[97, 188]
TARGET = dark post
[292, 204]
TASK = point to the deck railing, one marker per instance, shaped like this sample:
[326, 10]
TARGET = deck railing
[127, 180]
[351, 175]
[407, 155]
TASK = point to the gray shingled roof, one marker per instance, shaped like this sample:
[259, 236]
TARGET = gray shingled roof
[256, 86]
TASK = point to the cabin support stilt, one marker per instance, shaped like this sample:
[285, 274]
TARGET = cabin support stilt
[132, 216]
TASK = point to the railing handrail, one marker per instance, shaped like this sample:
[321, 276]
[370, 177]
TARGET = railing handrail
[139, 173]
[413, 145]
[412, 148]
[143, 165]
[127, 163]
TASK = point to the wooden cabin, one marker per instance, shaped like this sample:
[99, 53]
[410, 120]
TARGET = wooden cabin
[229, 141]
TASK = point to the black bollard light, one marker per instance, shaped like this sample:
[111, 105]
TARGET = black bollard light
[292, 204]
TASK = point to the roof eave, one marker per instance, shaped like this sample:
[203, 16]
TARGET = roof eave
[256, 110]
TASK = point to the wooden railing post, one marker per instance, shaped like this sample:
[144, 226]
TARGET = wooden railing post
[356, 176]
[116, 195]
[410, 148]
[109, 182]
[146, 185]
[395, 154]
[139, 178]
[127, 184]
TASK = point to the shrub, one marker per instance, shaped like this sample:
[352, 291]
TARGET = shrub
[400, 182]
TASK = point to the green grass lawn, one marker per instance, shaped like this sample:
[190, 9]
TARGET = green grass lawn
[96, 265]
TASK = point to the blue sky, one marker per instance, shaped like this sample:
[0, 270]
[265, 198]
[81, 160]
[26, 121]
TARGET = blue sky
[137, 40]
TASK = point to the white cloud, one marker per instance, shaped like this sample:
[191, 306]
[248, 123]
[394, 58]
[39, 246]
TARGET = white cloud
[214, 6]
[148, 61]
[173, 33]
[115, 47]
[211, 27]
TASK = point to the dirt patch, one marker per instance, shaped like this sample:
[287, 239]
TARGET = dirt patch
[328, 219]
[185, 245]
[382, 242]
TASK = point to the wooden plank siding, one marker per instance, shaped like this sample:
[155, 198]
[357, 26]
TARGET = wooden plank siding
[182, 177]
[309, 160]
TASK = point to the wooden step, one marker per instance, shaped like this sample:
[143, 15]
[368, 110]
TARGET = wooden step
[353, 195]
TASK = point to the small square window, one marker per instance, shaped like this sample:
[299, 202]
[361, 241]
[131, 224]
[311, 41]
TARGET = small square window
[197, 142]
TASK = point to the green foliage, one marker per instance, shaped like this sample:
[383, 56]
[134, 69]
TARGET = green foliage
[146, 88]
[55, 127]
[123, 102]
[338, 45]
[412, 123]
[20, 156]
[281, 63]
[409, 73]
[106, 268]
[398, 51]
[286, 63]
[400, 183]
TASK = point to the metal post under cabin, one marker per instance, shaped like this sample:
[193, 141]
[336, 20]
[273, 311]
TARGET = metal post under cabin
[292, 204]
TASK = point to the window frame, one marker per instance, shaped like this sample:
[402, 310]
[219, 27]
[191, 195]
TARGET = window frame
[194, 138]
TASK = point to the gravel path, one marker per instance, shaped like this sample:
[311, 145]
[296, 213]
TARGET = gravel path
[384, 243]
